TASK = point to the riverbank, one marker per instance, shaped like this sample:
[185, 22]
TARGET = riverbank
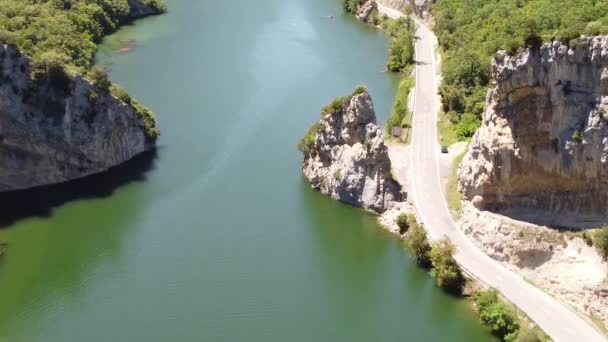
[182, 251]
[393, 13]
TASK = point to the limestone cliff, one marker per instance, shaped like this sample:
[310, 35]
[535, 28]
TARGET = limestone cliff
[542, 150]
[345, 156]
[61, 128]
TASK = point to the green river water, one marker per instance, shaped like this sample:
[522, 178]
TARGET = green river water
[217, 236]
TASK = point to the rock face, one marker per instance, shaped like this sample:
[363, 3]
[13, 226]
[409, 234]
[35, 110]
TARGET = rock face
[364, 12]
[61, 129]
[542, 149]
[346, 157]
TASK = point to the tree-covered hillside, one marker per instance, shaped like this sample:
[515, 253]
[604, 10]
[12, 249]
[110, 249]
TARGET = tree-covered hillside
[470, 32]
[64, 30]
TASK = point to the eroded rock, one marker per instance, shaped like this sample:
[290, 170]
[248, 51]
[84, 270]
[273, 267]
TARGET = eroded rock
[541, 153]
[61, 129]
[346, 157]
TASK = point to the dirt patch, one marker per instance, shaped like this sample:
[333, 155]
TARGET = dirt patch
[560, 263]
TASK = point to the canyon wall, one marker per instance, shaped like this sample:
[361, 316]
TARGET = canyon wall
[541, 153]
[62, 128]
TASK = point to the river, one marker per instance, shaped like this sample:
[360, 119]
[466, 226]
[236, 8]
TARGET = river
[217, 236]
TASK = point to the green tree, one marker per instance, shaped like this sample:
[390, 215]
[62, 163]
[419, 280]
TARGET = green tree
[418, 244]
[445, 269]
[499, 316]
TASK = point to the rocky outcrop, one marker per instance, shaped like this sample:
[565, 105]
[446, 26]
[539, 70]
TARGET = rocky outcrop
[345, 156]
[364, 12]
[542, 151]
[62, 127]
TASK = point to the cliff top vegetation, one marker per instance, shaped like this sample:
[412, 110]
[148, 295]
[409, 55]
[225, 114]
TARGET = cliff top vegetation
[61, 37]
[471, 32]
[67, 29]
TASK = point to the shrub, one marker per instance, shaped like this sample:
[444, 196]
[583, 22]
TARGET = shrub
[338, 174]
[445, 270]
[401, 51]
[336, 106]
[529, 335]
[601, 242]
[120, 93]
[588, 239]
[403, 222]
[453, 97]
[467, 126]
[50, 67]
[400, 111]
[307, 143]
[99, 78]
[418, 244]
[577, 135]
[351, 6]
[499, 316]
[147, 116]
[465, 69]
[359, 90]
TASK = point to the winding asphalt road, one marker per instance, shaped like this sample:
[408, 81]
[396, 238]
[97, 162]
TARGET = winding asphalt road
[558, 321]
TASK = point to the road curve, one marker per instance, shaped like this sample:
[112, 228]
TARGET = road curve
[558, 321]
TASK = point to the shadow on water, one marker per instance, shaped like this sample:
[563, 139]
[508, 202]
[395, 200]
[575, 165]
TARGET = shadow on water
[39, 202]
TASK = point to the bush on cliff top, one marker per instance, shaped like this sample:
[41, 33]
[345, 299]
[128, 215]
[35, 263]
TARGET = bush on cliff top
[307, 143]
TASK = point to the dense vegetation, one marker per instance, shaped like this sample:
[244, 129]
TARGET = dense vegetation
[68, 29]
[401, 50]
[497, 314]
[400, 115]
[471, 32]
[503, 320]
[61, 36]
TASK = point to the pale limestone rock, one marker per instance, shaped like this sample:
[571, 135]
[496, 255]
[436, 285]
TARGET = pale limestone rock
[558, 263]
[541, 153]
[365, 11]
[349, 160]
[51, 135]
